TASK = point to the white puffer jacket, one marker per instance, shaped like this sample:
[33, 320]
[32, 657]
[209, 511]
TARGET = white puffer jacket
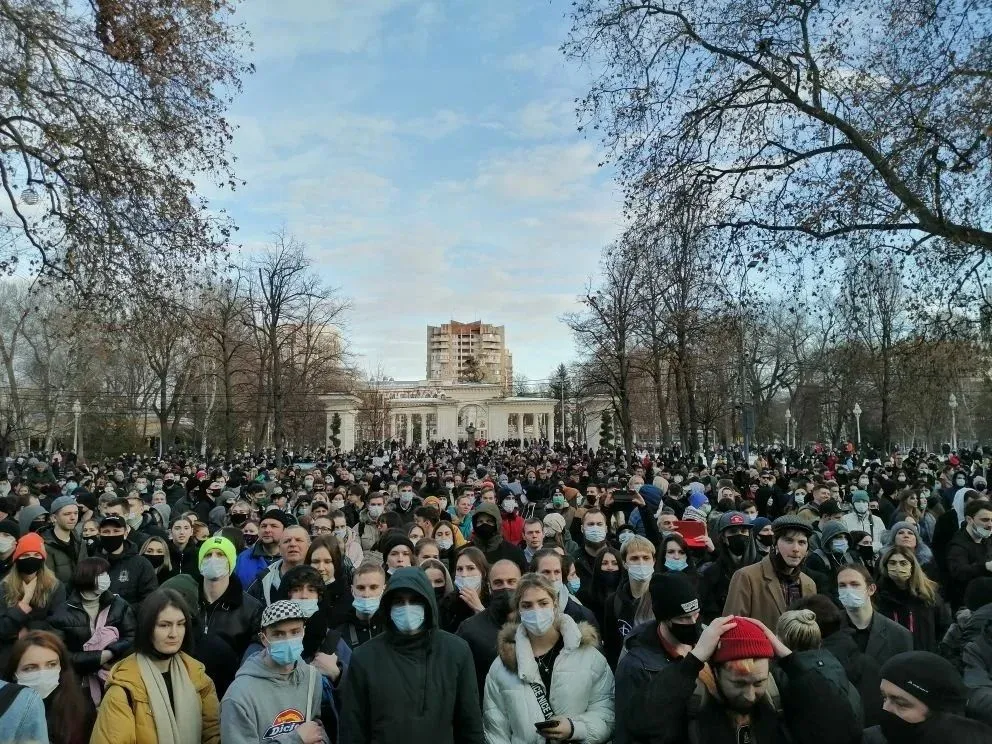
[581, 687]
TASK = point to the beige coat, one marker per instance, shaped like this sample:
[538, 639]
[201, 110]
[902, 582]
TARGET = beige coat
[755, 591]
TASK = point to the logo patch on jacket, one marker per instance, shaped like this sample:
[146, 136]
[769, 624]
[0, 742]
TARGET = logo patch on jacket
[284, 722]
[123, 577]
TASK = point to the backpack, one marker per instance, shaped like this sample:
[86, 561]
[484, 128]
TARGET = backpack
[8, 693]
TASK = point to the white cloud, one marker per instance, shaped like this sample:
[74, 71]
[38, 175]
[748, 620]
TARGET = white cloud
[547, 172]
[545, 119]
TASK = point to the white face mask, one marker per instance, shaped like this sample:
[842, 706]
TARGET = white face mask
[42, 681]
[7, 544]
[215, 568]
[102, 583]
[468, 582]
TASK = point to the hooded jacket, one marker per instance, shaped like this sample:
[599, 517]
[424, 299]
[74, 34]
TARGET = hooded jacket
[962, 632]
[714, 578]
[643, 657]
[411, 689]
[73, 624]
[125, 714]
[496, 548]
[263, 704]
[581, 687]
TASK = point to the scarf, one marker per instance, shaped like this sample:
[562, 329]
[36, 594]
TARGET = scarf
[187, 728]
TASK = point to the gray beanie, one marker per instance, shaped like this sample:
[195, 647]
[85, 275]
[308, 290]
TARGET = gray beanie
[61, 503]
[27, 515]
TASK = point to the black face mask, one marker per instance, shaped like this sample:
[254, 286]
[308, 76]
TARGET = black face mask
[737, 544]
[766, 540]
[439, 593]
[867, 553]
[499, 602]
[250, 540]
[110, 543]
[238, 519]
[29, 566]
[610, 579]
[92, 543]
[897, 730]
[156, 560]
[485, 530]
[685, 634]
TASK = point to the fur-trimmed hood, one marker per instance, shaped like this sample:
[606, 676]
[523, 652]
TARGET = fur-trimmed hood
[514, 649]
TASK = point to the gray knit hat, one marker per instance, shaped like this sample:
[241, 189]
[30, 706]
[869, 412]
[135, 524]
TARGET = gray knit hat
[61, 503]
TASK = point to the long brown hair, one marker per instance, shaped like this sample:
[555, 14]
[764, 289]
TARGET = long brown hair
[13, 587]
[333, 546]
[67, 715]
[918, 585]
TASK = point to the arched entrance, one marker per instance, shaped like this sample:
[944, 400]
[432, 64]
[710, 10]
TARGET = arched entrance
[477, 416]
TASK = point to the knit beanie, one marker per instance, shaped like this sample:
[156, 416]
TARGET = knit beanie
[393, 540]
[760, 523]
[554, 524]
[745, 641]
[32, 542]
[672, 595]
[9, 527]
[218, 543]
[860, 495]
[930, 678]
[187, 588]
[61, 503]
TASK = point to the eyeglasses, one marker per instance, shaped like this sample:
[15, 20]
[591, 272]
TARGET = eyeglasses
[323, 530]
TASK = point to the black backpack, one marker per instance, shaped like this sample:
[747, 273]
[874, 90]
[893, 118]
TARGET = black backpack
[8, 694]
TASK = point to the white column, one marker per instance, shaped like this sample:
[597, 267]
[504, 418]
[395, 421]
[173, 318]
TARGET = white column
[551, 428]
[408, 417]
[347, 431]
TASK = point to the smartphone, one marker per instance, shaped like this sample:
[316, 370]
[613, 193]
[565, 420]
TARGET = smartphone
[541, 725]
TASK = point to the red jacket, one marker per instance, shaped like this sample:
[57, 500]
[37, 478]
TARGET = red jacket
[513, 528]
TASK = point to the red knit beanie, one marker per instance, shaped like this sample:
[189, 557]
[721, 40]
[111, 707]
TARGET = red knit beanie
[746, 641]
[30, 543]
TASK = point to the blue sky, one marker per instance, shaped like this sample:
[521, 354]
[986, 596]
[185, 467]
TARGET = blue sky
[427, 154]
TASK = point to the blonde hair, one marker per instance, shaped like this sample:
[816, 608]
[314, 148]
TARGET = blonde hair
[637, 543]
[13, 587]
[798, 630]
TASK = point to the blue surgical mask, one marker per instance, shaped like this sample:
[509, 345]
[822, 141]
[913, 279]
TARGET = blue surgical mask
[366, 605]
[287, 651]
[839, 546]
[595, 534]
[676, 564]
[539, 621]
[641, 572]
[574, 585]
[309, 606]
[408, 618]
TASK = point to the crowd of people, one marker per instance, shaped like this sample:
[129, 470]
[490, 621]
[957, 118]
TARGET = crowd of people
[511, 593]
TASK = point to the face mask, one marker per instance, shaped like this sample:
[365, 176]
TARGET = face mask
[407, 618]
[366, 605]
[574, 585]
[677, 479]
[900, 574]
[485, 530]
[901, 479]
[895, 729]
[641, 572]
[7, 544]
[341, 533]
[861, 507]
[499, 601]
[538, 622]
[133, 521]
[339, 505]
[852, 599]
[238, 519]
[406, 498]
[676, 564]
[442, 504]
[959, 482]
[625, 537]
[610, 579]
[867, 553]
[156, 560]
[286, 652]
[29, 566]
[111, 543]
[594, 535]
[557, 501]
[509, 505]
[737, 544]
[445, 543]
[215, 568]
[375, 511]
[309, 606]
[468, 582]
[687, 635]
[449, 485]
[250, 540]
[981, 532]
[43, 681]
[839, 546]
[766, 540]
[308, 482]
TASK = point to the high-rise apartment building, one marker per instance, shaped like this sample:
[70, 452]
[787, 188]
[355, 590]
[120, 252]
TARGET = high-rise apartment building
[449, 345]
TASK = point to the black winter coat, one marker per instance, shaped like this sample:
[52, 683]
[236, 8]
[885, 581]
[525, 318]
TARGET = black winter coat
[862, 671]
[355, 631]
[912, 613]
[643, 658]
[966, 560]
[480, 632]
[185, 561]
[73, 624]
[225, 629]
[132, 577]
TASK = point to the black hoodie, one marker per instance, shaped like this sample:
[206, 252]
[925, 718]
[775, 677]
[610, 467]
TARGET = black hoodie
[411, 689]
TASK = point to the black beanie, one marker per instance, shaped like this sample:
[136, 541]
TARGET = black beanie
[672, 595]
[930, 678]
[394, 539]
[979, 593]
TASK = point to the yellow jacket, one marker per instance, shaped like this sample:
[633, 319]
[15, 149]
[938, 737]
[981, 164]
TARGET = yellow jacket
[125, 716]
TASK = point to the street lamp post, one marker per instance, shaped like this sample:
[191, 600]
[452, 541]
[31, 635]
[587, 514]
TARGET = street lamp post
[857, 420]
[77, 410]
[952, 402]
[788, 425]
